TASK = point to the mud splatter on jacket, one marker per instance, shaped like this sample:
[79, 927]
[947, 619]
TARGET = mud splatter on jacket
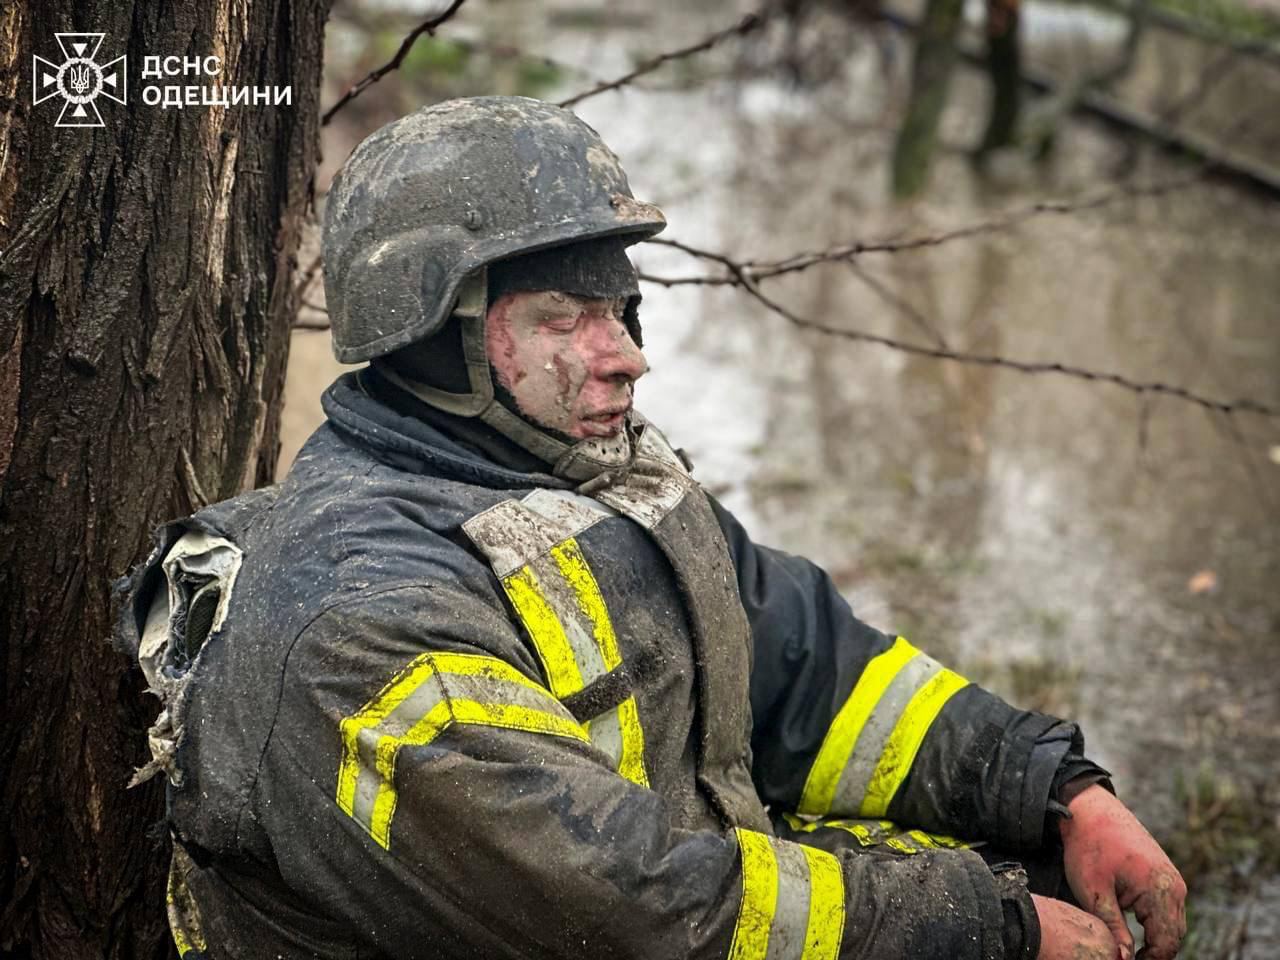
[419, 705]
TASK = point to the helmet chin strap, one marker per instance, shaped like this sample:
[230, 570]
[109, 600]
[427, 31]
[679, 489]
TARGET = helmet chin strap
[579, 462]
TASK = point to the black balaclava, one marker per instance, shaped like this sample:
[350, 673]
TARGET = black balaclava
[596, 268]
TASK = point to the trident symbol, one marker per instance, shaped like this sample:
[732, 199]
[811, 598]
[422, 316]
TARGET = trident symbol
[79, 79]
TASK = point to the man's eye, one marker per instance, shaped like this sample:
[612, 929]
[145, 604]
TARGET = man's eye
[562, 322]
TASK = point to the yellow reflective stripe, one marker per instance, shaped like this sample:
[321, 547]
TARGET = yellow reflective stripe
[631, 765]
[938, 841]
[871, 833]
[842, 737]
[370, 715]
[493, 694]
[440, 718]
[480, 665]
[904, 743]
[867, 834]
[792, 904]
[180, 941]
[573, 566]
[565, 674]
[183, 916]
[397, 691]
[759, 897]
[546, 630]
[826, 906]
[861, 831]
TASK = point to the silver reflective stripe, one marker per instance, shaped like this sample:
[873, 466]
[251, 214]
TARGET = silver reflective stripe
[532, 547]
[510, 535]
[605, 732]
[578, 629]
[793, 901]
[858, 772]
[515, 532]
[791, 916]
[568, 512]
[396, 724]
[431, 694]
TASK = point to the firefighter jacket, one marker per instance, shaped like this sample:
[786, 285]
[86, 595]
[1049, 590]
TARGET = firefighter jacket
[417, 704]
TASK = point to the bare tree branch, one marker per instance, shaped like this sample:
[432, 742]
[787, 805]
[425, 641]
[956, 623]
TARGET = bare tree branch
[308, 277]
[747, 273]
[763, 269]
[427, 26]
[744, 26]
[882, 290]
[1143, 388]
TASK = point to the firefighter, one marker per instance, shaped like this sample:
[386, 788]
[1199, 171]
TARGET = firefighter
[488, 674]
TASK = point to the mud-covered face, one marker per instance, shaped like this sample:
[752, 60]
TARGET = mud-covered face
[568, 361]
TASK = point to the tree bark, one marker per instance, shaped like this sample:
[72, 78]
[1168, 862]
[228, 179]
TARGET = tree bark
[145, 303]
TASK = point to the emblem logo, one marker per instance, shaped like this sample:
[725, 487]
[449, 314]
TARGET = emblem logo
[79, 79]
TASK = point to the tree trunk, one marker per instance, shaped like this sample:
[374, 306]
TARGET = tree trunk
[1004, 67]
[931, 66]
[145, 303]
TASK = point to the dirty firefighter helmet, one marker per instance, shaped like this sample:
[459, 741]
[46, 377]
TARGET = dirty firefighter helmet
[425, 203]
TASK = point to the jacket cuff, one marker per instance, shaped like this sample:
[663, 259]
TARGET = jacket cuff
[990, 890]
[1075, 774]
[1035, 755]
[1021, 931]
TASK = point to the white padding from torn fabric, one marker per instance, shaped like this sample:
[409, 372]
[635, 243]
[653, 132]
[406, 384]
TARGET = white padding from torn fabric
[195, 554]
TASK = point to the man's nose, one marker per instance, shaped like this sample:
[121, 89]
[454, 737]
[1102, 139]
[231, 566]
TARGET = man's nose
[614, 354]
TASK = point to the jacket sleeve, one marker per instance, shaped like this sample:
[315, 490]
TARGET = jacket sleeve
[852, 722]
[424, 786]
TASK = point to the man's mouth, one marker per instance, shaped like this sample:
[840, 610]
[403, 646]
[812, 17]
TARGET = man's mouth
[606, 422]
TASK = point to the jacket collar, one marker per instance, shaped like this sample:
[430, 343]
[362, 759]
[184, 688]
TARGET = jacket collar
[410, 443]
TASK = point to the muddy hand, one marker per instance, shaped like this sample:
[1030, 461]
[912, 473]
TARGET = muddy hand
[1068, 933]
[1113, 864]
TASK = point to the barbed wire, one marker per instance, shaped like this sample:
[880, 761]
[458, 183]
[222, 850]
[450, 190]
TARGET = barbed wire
[747, 273]
[747, 24]
[1140, 387]
[765, 269]
[428, 27]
